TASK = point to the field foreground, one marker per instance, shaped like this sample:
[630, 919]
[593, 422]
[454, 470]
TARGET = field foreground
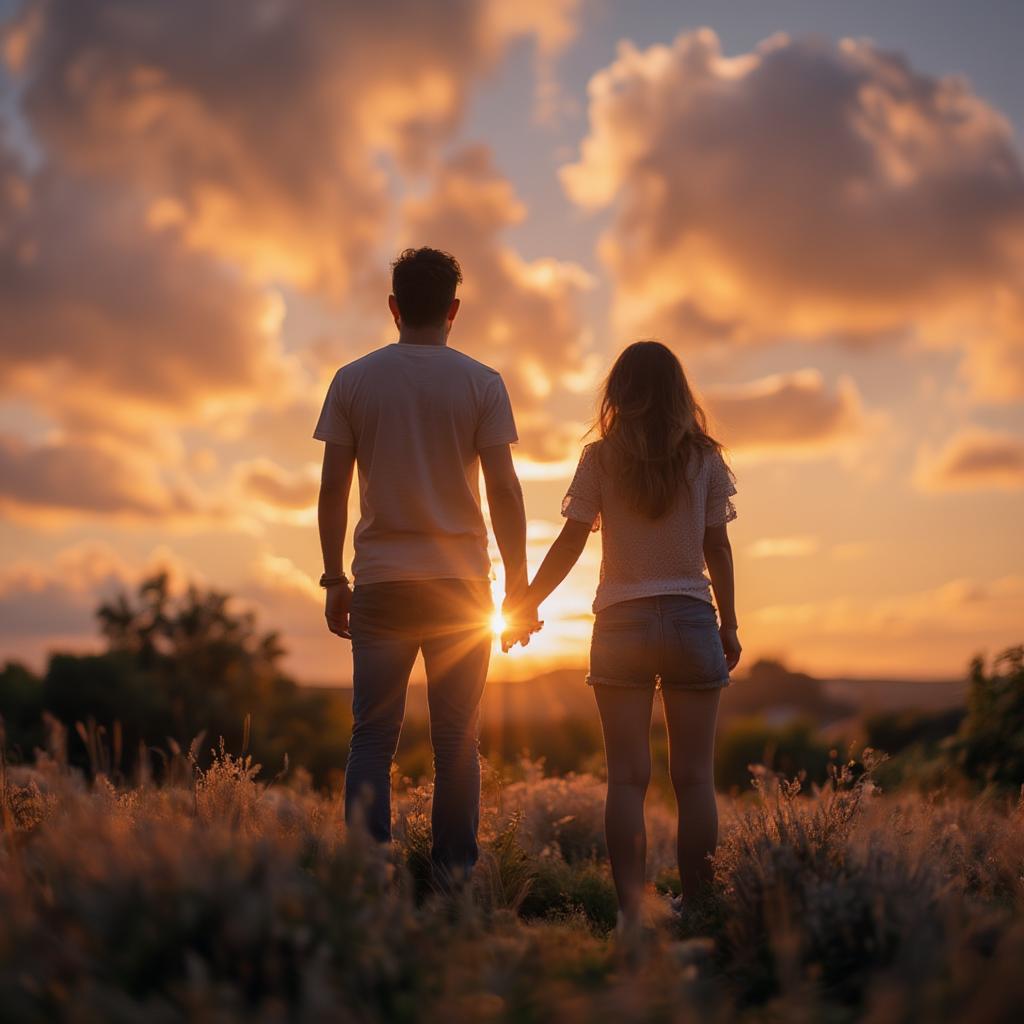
[217, 897]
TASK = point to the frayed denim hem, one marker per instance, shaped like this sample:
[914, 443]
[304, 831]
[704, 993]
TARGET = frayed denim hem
[718, 684]
[658, 685]
[629, 684]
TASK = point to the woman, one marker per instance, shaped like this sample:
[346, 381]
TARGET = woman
[656, 485]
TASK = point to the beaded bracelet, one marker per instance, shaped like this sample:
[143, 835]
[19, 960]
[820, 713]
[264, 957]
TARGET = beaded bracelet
[330, 581]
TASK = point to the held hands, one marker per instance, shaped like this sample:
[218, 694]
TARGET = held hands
[339, 601]
[520, 622]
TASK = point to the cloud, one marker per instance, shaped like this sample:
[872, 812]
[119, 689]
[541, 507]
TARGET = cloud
[60, 598]
[795, 411]
[170, 171]
[932, 632]
[259, 128]
[543, 438]
[783, 547]
[54, 482]
[274, 485]
[522, 316]
[810, 190]
[974, 460]
[109, 323]
[963, 606]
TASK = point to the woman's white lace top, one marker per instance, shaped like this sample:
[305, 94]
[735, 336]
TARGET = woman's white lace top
[642, 557]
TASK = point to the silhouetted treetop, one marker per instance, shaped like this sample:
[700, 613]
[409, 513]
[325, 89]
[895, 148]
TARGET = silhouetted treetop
[157, 624]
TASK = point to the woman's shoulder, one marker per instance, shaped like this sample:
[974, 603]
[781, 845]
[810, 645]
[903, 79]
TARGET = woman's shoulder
[710, 469]
[591, 452]
[719, 476]
[712, 457]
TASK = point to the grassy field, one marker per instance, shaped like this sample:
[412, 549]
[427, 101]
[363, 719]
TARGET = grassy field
[216, 896]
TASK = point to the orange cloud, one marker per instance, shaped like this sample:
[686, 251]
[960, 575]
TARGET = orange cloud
[974, 460]
[810, 190]
[186, 159]
[920, 633]
[258, 129]
[108, 324]
[784, 547]
[793, 411]
[272, 484]
[52, 483]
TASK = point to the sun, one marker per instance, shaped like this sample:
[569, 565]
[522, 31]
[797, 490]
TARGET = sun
[498, 623]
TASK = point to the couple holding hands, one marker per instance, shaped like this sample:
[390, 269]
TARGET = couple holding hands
[419, 421]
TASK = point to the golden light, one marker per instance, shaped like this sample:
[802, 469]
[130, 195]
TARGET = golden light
[497, 623]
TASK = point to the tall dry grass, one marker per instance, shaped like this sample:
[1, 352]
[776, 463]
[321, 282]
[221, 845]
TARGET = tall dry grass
[218, 896]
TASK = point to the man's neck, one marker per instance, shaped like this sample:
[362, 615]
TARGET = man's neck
[436, 336]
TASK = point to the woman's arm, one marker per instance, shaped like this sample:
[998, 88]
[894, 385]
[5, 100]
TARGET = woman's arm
[564, 554]
[718, 556]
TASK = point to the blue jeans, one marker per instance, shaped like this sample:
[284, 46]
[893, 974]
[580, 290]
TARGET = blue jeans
[668, 639]
[449, 620]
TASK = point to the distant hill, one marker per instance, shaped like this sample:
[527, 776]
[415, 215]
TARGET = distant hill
[899, 694]
[767, 688]
[772, 690]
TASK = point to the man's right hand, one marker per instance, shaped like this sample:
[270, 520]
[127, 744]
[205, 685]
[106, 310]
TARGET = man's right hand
[339, 601]
[521, 622]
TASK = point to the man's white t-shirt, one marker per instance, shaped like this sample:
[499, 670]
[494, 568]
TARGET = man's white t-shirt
[417, 416]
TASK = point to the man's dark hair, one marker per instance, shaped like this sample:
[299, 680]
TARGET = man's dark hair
[423, 282]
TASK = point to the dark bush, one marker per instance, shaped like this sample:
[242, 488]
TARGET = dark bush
[791, 749]
[895, 731]
[175, 669]
[989, 746]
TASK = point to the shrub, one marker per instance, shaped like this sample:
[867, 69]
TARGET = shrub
[989, 745]
[790, 749]
[217, 895]
[175, 667]
[895, 731]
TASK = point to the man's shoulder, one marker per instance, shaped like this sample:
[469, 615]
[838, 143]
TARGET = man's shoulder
[367, 361]
[471, 365]
[372, 365]
[387, 353]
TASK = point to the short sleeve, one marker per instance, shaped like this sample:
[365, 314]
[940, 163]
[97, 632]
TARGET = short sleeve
[334, 424]
[496, 424]
[720, 509]
[582, 500]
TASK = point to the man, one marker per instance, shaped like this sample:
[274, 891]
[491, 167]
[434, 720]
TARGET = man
[419, 420]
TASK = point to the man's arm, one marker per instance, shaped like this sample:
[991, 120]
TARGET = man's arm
[508, 516]
[332, 519]
[718, 556]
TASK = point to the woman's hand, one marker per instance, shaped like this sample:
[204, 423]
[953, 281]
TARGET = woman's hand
[731, 645]
[339, 601]
[521, 622]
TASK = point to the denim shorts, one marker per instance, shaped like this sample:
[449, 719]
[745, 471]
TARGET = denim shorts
[669, 640]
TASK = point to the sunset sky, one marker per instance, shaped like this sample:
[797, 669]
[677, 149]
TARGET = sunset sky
[818, 205]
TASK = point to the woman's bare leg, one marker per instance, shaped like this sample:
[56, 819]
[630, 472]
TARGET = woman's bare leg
[626, 722]
[691, 716]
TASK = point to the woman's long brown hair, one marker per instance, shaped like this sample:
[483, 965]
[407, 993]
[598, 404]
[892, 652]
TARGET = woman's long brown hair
[651, 426]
